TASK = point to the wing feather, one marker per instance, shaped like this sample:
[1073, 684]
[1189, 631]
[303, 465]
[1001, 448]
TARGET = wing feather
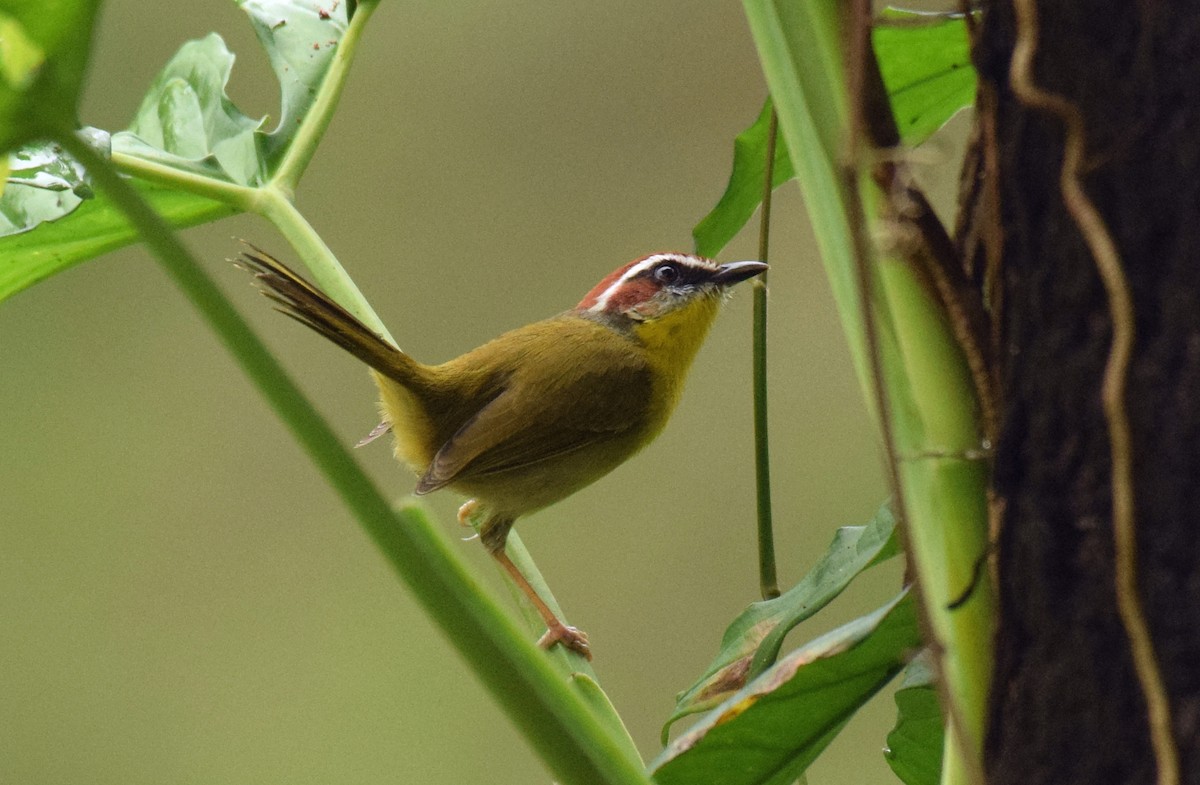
[535, 418]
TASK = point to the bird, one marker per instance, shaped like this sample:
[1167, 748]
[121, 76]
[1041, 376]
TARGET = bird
[543, 410]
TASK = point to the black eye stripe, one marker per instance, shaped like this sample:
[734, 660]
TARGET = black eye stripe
[683, 273]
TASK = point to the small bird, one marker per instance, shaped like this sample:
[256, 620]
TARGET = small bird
[536, 414]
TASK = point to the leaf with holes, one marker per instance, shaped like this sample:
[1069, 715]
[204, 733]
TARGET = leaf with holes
[187, 121]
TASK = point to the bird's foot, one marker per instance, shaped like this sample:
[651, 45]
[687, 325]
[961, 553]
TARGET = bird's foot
[574, 639]
[467, 511]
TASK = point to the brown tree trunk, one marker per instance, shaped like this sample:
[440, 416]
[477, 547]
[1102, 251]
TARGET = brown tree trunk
[1067, 706]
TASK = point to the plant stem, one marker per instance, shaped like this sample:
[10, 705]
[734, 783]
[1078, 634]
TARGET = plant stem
[240, 197]
[576, 744]
[767, 578]
[929, 391]
[276, 206]
[304, 145]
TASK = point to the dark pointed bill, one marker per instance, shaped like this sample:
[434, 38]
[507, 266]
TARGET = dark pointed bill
[735, 272]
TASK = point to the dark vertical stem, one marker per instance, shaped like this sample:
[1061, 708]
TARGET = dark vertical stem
[767, 580]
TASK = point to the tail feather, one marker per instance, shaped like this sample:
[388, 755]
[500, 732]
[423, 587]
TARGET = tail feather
[311, 307]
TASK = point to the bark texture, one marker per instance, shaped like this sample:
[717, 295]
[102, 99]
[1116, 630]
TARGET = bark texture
[1067, 707]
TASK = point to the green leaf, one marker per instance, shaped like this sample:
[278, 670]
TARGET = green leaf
[301, 39]
[927, 72]
[744, 192]
[914, 747]
[186, 121]
[771, 730]
[44, 183]
[753, 640]
[926, 67]
[44, 46]
[95, 228]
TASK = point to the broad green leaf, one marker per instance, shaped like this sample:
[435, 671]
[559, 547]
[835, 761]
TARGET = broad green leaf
[95, 228]
[744, 192]
[914, 747]
[771, 730]
[753, 640]
[186, 123]
[301, 38]
[927, 71]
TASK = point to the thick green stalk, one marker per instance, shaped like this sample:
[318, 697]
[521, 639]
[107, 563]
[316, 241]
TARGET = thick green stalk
[926, 388]
[569, 734]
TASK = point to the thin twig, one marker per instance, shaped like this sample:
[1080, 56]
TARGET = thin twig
[1113, 388]
[767, 578]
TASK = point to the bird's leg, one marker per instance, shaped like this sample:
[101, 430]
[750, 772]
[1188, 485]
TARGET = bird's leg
[494, 533]
[556, 632]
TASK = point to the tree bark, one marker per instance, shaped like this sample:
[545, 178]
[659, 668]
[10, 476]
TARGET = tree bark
[1067, 705]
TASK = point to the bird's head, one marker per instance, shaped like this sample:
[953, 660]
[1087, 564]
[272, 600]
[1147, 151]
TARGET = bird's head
[655, 286]
[668, 300]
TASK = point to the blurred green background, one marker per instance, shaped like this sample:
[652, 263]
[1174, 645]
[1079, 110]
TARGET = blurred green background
[181, 597]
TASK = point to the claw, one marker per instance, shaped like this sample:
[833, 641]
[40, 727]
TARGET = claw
[574, 639]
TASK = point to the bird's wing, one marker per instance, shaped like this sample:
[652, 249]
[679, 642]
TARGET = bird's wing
[527, 424]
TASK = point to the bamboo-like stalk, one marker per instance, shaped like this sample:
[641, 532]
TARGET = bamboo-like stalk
[922, 375]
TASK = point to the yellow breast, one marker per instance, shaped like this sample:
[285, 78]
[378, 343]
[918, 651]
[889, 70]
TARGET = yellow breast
[672, 342]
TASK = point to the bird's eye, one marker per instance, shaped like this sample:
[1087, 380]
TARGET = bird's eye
[667, 273]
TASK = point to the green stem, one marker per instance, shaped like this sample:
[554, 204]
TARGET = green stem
[304, 145]
[276, 206]
[241, 197]
[577, 745]
[768, 580]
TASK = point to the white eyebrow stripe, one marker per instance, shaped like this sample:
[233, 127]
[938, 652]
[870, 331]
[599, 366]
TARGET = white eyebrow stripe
[602, 301]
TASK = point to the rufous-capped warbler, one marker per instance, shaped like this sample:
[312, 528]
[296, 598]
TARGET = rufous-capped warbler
[531, 417]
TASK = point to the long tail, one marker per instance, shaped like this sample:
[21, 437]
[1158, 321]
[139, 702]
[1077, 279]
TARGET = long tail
[310, 306]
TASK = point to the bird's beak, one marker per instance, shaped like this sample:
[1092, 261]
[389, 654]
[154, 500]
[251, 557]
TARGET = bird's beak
[735, 272]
